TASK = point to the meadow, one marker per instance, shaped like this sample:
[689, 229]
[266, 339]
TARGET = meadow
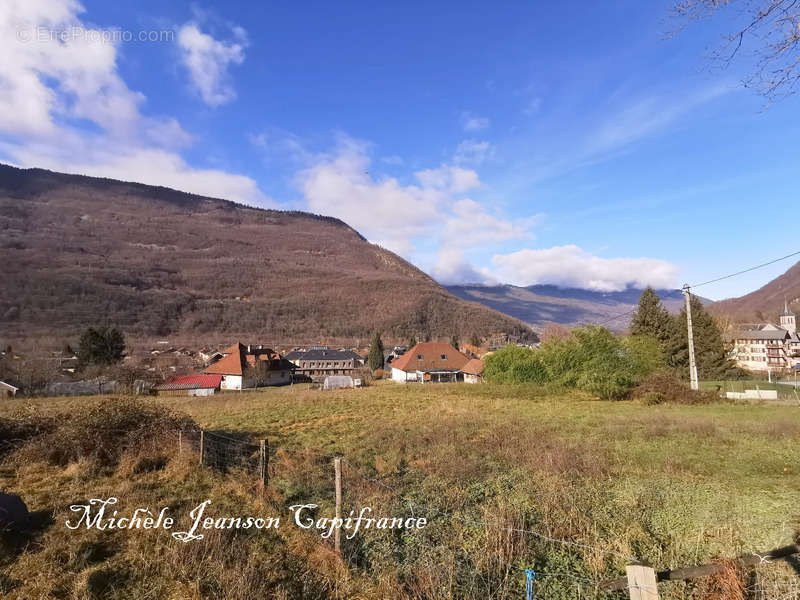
[510, 477]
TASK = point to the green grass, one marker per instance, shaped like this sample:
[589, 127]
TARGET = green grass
[785, 392]
[673, 485]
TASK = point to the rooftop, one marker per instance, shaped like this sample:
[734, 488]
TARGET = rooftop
[190, 382]
[428, 356]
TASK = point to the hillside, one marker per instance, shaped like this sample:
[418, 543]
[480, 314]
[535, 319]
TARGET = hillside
[765, 303]
[80, 251]
[542, 304]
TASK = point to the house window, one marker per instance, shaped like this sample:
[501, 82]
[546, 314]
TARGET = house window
[444, 356]
[419, 356]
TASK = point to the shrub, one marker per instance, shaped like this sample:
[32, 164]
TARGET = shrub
[103, 432]
[591, 359]
[663, 386]
[23, 427]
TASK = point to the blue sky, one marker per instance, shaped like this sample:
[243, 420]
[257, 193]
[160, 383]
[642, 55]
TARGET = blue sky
[512, 142]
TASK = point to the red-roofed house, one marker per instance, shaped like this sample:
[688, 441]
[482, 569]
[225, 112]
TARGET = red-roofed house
[190, 385]
[473, 371]
[244, 367]
[430, 362]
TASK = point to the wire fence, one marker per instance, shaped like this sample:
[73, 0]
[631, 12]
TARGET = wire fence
[304, 473]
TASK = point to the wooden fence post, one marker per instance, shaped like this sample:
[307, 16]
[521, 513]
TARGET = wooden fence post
[337, 540]
[202, 447]
[642, 583]
[263, 463]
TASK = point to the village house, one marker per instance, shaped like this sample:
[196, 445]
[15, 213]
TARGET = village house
[243, 367]
[434, 362]
[319, 362]
[473, 371]
[190, 385]
[8, 390]
[768, 347]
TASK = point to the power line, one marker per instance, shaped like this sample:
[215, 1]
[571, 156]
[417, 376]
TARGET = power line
[771, 262]
[766, 264]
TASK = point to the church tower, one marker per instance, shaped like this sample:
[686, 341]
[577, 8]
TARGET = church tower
[787, 319]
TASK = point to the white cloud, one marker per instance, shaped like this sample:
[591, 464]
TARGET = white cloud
[208, 60]
[450, 178]
[153, 166]
[473, 123]
[399, 216]
[476, 124]
[49, 89]
[473, 152]
[383, 210]
[570, 266]
[452, 268]
[393, 160]
[647, 116]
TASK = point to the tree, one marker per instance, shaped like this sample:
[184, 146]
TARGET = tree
[554, 331]
[375, 356]
[412, 341]
[102, 346]
[710, 351]
[651, 319]
[475, 340]
[454, 342]
[769, 30]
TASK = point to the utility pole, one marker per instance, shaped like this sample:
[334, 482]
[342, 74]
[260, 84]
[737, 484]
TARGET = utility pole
[692, 363]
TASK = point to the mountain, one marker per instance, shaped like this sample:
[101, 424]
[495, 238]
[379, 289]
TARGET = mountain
[765, 303]
[538, 305]
[80, 251]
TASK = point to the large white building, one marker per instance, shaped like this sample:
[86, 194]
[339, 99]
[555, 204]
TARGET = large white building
[769, 347]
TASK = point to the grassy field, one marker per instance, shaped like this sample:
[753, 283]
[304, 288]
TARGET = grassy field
[672, 485]
[786, 393]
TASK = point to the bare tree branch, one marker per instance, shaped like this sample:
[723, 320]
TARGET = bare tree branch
[770, 30]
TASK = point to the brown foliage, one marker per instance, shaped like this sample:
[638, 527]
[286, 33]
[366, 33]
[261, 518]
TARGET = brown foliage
[728, 584]
[102, 432]
[156, 262]
[663, 387]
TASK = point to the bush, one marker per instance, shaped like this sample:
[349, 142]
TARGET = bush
[591, 359]
[662, 387]
[16, 431]
[103, 432]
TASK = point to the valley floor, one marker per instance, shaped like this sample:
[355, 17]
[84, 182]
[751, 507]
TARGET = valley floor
[494, 468]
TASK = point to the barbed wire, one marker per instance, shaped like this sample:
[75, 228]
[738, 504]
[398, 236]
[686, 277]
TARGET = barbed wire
[245, 454]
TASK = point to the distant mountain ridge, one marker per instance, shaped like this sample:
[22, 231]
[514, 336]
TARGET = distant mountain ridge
[765, 303]
[83, 251]
[539, 305]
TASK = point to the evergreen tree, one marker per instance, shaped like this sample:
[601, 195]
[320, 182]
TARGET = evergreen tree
[103, 346]
[711, 353]
[412, 341]
[454, 342]
[475, 340]
[652, 319]
[375, 356]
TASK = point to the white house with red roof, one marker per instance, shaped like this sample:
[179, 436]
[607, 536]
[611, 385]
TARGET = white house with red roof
[243, 367]
[435, 362]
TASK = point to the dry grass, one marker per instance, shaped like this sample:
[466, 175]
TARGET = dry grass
[673, 484]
